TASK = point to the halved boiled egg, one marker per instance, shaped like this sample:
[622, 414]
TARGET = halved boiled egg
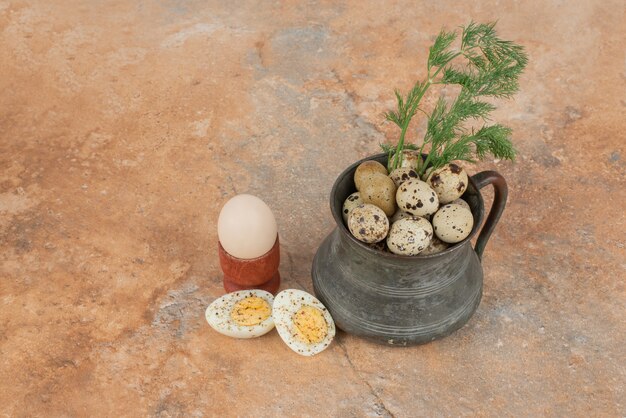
[242, 314]
[303, 323]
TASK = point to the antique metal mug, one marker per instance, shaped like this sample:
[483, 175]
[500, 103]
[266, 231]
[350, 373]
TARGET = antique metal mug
[403, 300]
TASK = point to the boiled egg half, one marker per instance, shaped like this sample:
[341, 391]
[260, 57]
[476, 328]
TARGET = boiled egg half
[242, 314]
[303, 323]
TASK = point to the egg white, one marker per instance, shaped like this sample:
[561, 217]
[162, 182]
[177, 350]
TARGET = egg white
[219, 311]
[286, 304]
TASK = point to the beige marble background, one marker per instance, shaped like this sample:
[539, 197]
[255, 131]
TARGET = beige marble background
[125, 125]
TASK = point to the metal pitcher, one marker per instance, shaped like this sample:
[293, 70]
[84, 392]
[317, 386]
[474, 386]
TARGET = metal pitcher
[403, 300]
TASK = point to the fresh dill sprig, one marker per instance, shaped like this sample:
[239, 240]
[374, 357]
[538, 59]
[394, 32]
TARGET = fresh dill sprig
[492, 69]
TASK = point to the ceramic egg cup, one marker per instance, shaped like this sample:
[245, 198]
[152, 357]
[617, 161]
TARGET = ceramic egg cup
[255, 273]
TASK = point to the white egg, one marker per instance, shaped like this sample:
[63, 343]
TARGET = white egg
[242, 314]
[303, 323]
[246, 227]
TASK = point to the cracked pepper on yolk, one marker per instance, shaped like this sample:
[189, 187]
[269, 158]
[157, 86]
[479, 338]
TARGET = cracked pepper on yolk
[310, 325]
[251, 311]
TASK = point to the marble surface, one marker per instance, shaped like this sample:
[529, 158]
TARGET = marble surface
[125, 125]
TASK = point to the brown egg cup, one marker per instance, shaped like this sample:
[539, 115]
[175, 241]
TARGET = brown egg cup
[255, 273]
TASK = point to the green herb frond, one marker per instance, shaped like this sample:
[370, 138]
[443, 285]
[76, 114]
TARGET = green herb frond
[438, 54]
[492, 69]
[392, 116]
[413, 99]
[466, 106]
[460, 150]
[387, 148]
[494, 65]
[494, 140]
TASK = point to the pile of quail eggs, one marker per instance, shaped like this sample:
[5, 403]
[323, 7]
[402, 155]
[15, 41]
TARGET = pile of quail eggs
[404, 214]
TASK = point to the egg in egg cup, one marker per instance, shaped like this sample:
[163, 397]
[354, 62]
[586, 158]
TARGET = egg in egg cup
[249, 250]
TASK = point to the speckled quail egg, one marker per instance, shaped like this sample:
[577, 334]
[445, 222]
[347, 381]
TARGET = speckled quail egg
[366, 169]
[303, 323]
[453, 223]
[402, 174]
[379, 246]
[410, 159]
[242, 314]
[409, 236]
[427, 173]
[461, 202]
[436, 246]
[350, 203]
[449, 181]
[417, 198]
[368, 223]
[378, 189]
[400, 214]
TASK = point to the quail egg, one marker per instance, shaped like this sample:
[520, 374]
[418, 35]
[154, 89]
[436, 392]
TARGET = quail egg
[417, 198]
[379, 246]
[436, 246]
[350, 203]
[402, 174]
[461, 202]
[449, 181]
[368, 223]
[303, 323]
[409, 236]
[378, 189]
[400, 214]
[427, 173]
[410, 159]
[242, 314]
[453, 223]
[366, 169]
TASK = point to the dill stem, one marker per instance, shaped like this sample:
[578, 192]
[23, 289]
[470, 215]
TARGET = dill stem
[421, 170]
[397, 159]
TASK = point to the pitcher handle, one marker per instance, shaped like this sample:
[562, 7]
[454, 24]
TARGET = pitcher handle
[501, 192]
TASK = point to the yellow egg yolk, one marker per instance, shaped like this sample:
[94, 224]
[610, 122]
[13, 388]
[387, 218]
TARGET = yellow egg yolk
[251, 311]
[310, 325]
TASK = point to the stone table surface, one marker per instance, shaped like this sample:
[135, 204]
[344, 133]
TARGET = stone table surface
[125, 125]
